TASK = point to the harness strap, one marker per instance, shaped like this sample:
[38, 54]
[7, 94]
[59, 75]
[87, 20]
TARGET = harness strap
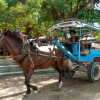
[30, 55]
[20, 56]
[53, 56]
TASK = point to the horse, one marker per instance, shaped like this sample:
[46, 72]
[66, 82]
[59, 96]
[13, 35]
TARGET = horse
[29, 58]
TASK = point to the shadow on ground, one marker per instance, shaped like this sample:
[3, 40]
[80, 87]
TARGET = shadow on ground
[78, 88]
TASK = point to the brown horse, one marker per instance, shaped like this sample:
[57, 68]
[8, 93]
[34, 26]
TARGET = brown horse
[29, 58]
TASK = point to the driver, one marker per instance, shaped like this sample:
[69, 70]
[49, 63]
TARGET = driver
[73, 38]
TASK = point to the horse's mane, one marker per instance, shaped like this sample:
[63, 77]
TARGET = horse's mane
[13, 35]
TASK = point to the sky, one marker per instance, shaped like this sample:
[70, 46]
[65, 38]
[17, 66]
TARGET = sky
[98, 6]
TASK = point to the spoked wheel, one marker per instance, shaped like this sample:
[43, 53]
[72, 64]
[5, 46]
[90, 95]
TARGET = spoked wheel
[69, 74]
[93, 72]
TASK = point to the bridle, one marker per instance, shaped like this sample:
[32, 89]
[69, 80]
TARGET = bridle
[2, 38]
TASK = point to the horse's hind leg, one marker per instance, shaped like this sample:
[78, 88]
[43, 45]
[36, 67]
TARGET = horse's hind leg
[60, 78]
[60, 81]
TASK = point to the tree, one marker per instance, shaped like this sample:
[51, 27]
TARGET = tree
[41, 14]
[58, 9]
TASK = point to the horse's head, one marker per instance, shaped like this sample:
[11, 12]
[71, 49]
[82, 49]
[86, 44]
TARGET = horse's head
[6, 36]
[10, 41]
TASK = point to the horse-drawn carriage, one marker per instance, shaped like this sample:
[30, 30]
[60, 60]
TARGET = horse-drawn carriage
[84, 52]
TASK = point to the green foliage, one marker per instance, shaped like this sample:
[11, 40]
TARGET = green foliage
[41, 14]
[96, 35]
[3, 5]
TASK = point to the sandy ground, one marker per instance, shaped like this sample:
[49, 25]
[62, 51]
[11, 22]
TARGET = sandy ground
[78, 88]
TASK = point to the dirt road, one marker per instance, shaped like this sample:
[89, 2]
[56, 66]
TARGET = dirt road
[78, 88]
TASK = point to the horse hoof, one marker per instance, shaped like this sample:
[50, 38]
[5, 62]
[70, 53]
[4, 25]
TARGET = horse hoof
[25, 95]
[37, 91]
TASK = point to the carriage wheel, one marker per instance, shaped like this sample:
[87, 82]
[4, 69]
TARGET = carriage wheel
[69, 74]
[93, 72]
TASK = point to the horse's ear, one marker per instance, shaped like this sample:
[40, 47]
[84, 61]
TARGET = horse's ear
[6, 32]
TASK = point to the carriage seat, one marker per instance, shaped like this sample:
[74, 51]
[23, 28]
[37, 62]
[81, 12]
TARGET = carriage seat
[95, 45]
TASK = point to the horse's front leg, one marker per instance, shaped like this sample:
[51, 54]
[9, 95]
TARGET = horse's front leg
[27, 82]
